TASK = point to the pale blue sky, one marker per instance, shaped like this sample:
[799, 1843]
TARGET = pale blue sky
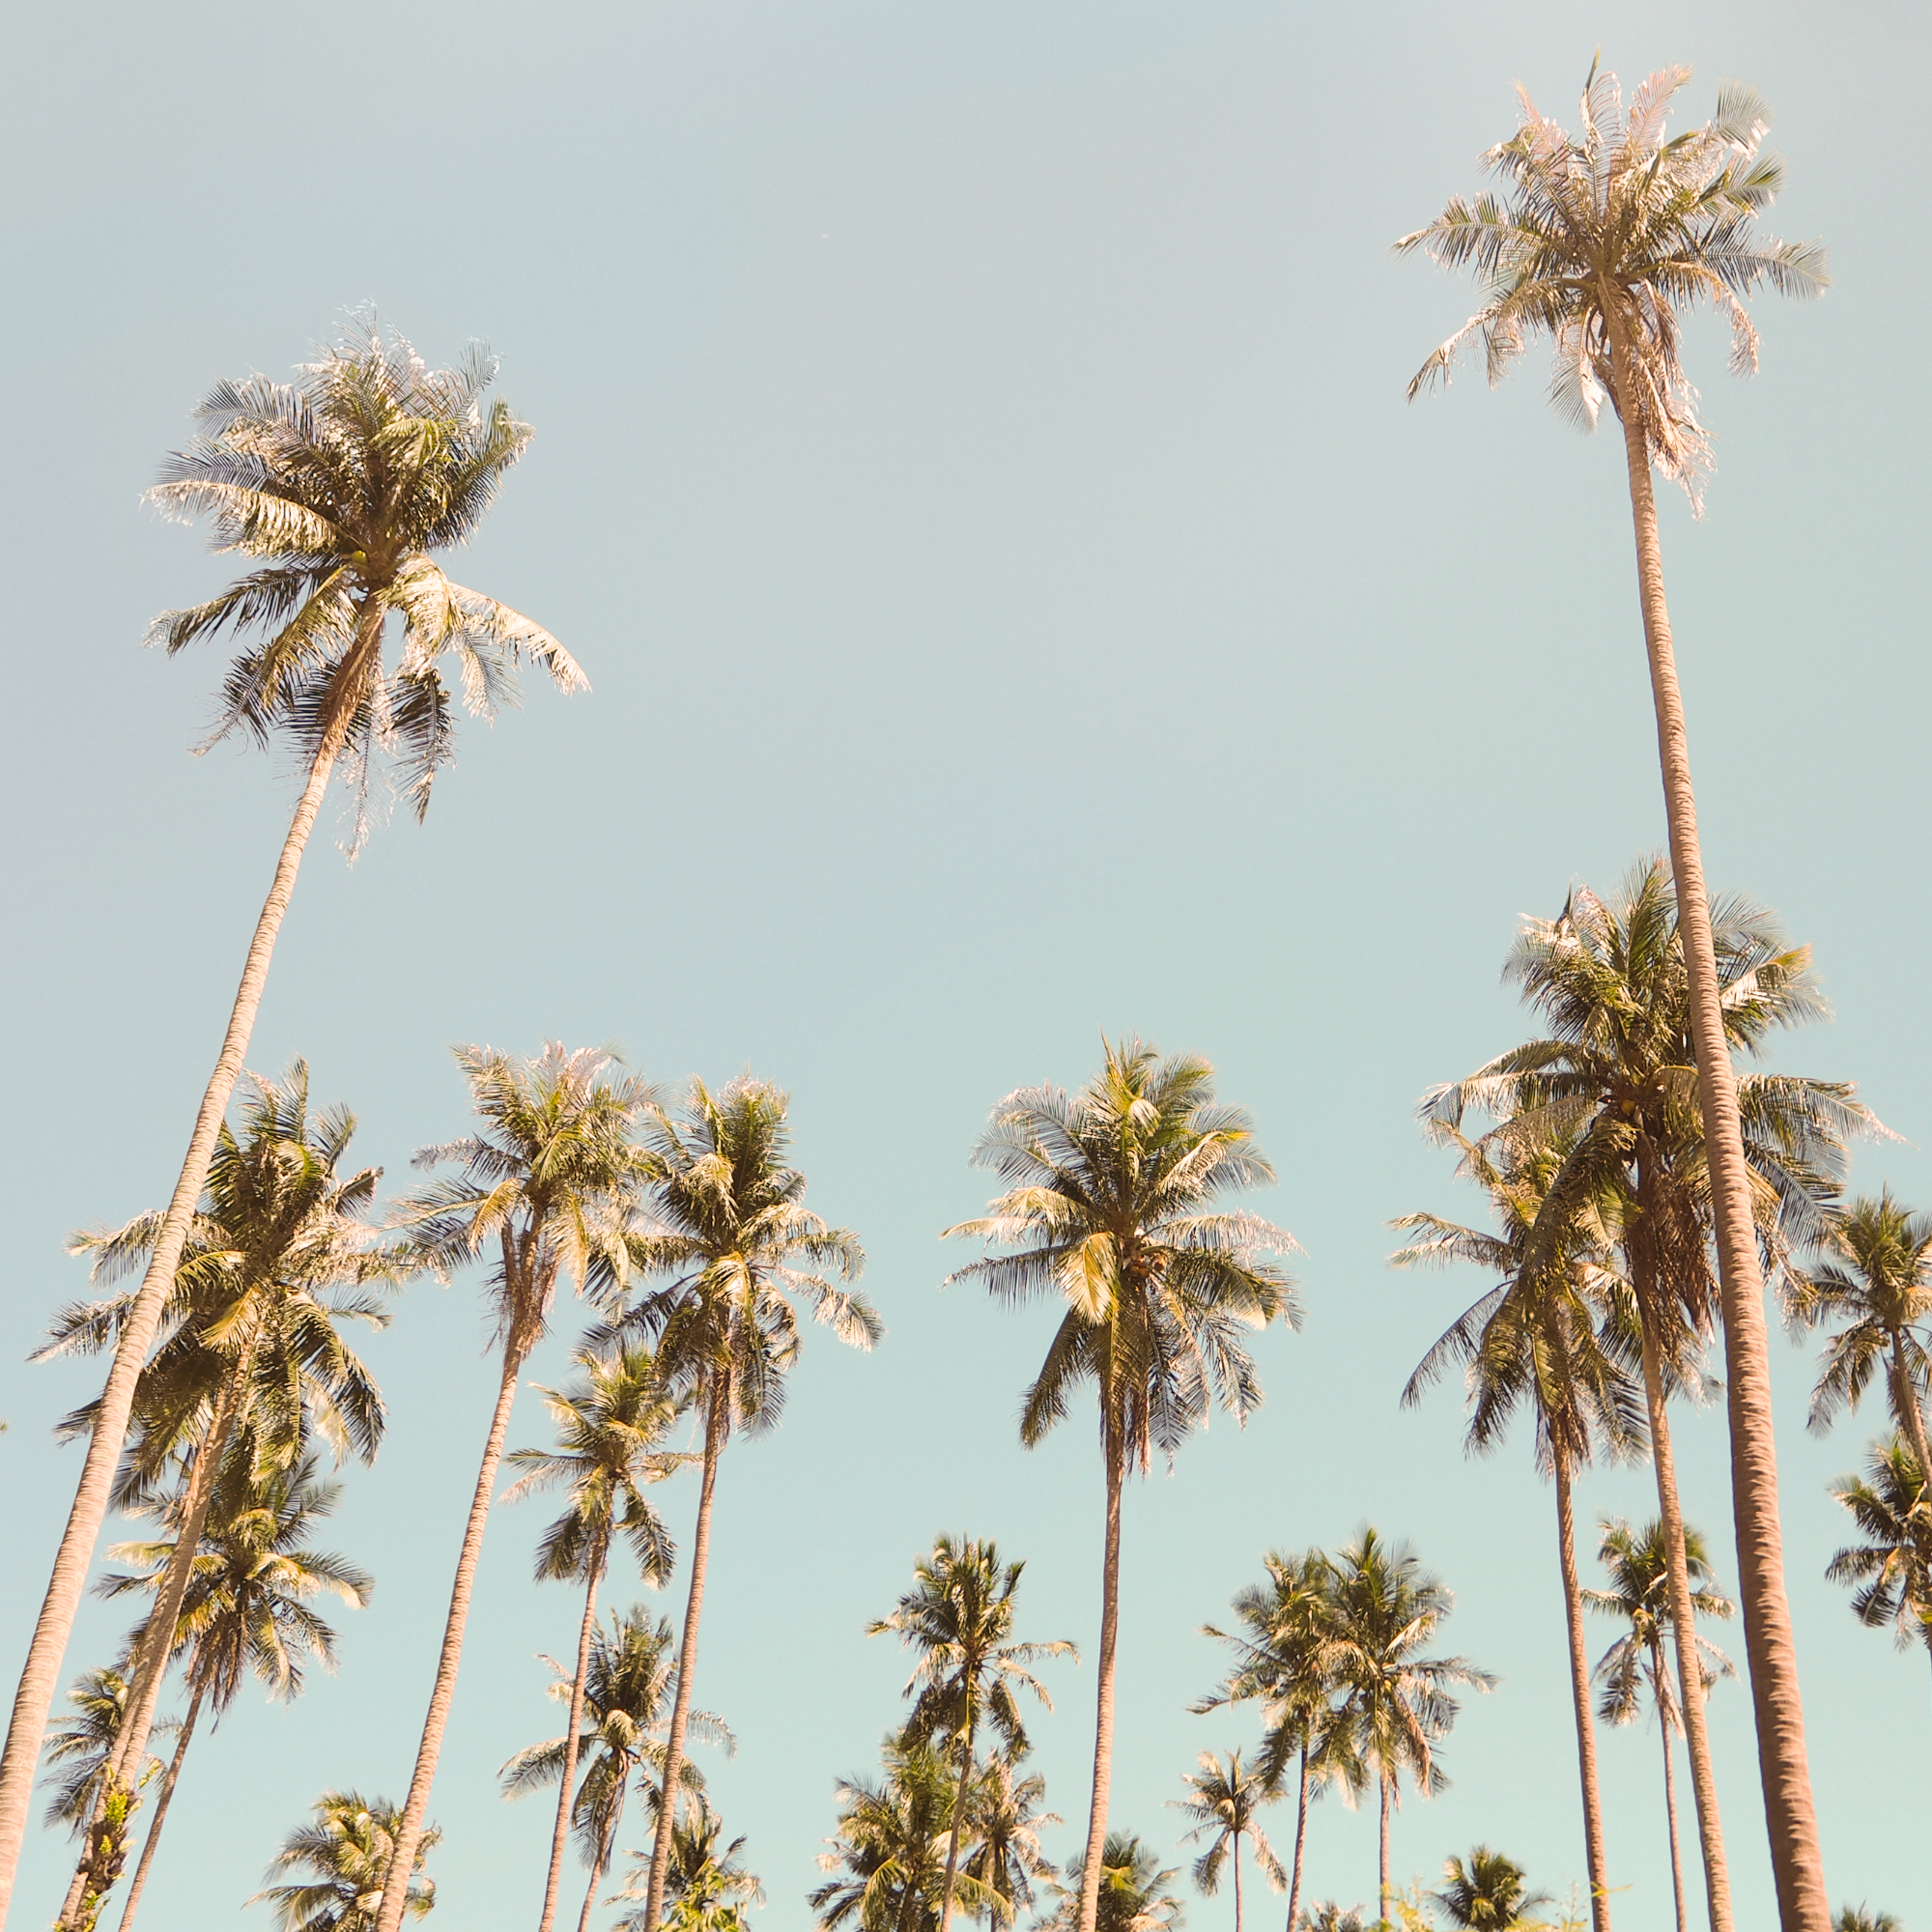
[971, 466]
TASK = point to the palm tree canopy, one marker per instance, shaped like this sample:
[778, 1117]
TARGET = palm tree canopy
[1638, 1566]
[1602, 241]
[1875, 1284]
[78, 1753]
[1892, 1569]
[1005, 1816]
[346, 1854]
[1108, 1209]
[1487, 1893]
[1225, 1802]
[342, 485]
[1861, 1919]
[1132, 1894]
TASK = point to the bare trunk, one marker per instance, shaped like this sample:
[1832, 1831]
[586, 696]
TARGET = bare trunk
[958, 1819]
[1300, 1840]
[1238, 1882]
[41, 1676]
[1579, 1700]
[716, 1421]
[410, 1831]
[1690, 1671]
[1113, 1453]
[1905, 1401]
[560, 1837]
[1383, 1869]
[1657, 1669]
[1797, 1863]
[167, 1799]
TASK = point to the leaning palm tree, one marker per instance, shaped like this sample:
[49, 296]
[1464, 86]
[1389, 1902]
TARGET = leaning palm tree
[1225, 1802]
[1109, 1211]
[1891, 1569]
[1006, 1815]
[1487, 1893]
[960, 1615]
[609, 1425]
[247, 1608]
[1639, 1567]
[543, 1185]
[734, 1237]
[345, 1856]
[1614, 1081]
[1876, 1284]
[1132, 1890]
[1603, 243]
[1395, 1699]
[1532, 1341]
[341, 486]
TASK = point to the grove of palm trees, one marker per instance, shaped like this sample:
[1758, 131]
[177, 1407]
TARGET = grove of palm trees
[1126, 1132]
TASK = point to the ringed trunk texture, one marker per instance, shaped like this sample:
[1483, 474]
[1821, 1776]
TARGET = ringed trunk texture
[560, 1837]
[1579, 1700]
[1797, 1863]
[1383, 1869]
[1662, 1686]
[1238, 1882]
[1300, 1840]
[19, 1761]
[958, 1822]
[1114, 1453]
[410, 1831]
[717, 1422]
[167, 1799]
[1689, 1669]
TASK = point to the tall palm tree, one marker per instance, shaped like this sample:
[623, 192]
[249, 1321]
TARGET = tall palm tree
[609, 1424]
[960, 1615]
[1615, 1080]
[78, 1755]
[1395, 1699]
[1891, 1568]
[1109, 1210]
[1487, 1893]
[1225, 1803]
[543, 1184]
[247, 1608]
[1639, 1565]
[346, 1856]
[1604, 243]
[1876, 1283]
[734, 1237]
[1006, 1815]
[1131, 1892]
[1285, 1656]
[1532, 1341]
[341, 485]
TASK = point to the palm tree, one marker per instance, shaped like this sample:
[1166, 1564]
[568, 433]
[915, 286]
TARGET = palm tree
[346, 1854]
[1005, 1818]
[1330, 1917]
[78, 1755]
[1108, 1211]
[1531, 1342]
[543, 1184]
[1615, 1080]
[1394, 1701]
[1131, 1891]
[1603, 243]
[247, 1603]
[1860, 1919]
[1285, 1658]
[609, 1424]
[1640, 1564]
[342, 484]
[738, 1244]
[1487, 1893]
[708, 1889]
[959, 1615]
[1892, 1569]
[1877, 1284]
[1225, 1806]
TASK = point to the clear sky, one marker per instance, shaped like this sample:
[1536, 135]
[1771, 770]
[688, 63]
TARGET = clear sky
[971, 466]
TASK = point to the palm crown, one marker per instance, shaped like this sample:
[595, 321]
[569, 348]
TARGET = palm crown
[346, 1856]
[1891, 1570]
[1639, 1564]
[1487, 1893]
[1224, 1802]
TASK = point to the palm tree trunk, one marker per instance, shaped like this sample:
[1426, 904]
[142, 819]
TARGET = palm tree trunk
[1690, 1671]
[1580, 1699]
[1383, 1869]
[1669, 1790]
[560, 1837]
[958, 1819]
[1905, 1401]
[19, 1761]
[1300, 1840]
[1112, 1452]
[716, 1421]
[1783, 1770]
[410, 1830]
[1238, 1882]
[603, 1862]
[167, 1799]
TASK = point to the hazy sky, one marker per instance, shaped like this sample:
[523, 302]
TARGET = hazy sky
[971, 467]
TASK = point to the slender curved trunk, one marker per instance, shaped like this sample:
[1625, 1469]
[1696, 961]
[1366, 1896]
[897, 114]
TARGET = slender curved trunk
[717, 1424]
[1905, 1403]
[167, 1799]
[1797, 1862]
[1300, 1840]
[1383, 1869]
[410, 1831]
[40, 1678]
[605, 1846]
[958, 1817]
[1238, 1882]
[1114, 1455]
[1579, 1700]
[1661, 1688]
[1690, 1671]
[560, 1837]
